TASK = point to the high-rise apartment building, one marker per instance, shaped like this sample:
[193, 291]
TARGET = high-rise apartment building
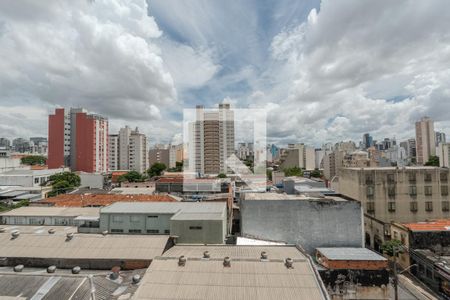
[367, 141]
[159, 154]
[298, 155]
[444, 155]
[440, 138]
[175, 155]
[211, 139]
[128, 150]
[78, 140]
[425, 140]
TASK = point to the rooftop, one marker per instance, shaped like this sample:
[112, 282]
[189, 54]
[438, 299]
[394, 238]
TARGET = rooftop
[248, 277]
[52, 211]
[82, 200]
[30, 172]
[82, 246]
[350, 254]
[395, 168]
[437, 225]
[37, 284]
[283, 196]
[164, 207]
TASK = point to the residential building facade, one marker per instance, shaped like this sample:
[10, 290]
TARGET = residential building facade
[425, 140]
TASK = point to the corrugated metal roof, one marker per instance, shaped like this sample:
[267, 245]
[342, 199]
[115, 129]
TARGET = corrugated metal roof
[350, 254]
[13, 193]
[58, 230]
[164, 207]
[52, 211]
[242, 252]
[245, 279]
[83, 246]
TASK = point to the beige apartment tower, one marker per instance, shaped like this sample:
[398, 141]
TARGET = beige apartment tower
[211, 140]
[425, 140]
[129, 150]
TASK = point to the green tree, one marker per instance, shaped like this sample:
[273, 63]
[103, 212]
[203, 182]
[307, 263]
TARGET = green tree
[156, 169]
[132, 176]
[269, 174]
[178, 167]
[222, 175]
[63, 183]
[433, 161]
[316, 173]
[32, 160]
[294, 171]
[389, 246]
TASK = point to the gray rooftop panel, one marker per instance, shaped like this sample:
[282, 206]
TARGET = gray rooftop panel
[350, 254]
[163, 207]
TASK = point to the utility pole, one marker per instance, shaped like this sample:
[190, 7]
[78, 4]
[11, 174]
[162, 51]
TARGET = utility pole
[395, 250]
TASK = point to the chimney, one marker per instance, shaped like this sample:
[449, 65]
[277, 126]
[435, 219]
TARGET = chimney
[264, 255]
[289, 263]
[15, 234]
[182, 261]
[227, 262]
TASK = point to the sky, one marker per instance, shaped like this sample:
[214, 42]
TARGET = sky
[324, 71]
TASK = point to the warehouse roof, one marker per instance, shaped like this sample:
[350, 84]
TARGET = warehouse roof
[42, 211]
[83, 200]
[350, 254]
[58, 230]
[164, 207]
[248, 277]
[83, 246]
[37, 284]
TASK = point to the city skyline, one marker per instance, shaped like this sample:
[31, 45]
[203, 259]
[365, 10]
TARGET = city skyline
[144, 66]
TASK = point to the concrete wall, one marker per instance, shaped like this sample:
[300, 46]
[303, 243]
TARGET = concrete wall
[92, 180]
[199, 231]
[143, 222]
[310, 224]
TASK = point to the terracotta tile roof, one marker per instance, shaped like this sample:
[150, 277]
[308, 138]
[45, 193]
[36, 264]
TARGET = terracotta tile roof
[436, 225]
[82, 200]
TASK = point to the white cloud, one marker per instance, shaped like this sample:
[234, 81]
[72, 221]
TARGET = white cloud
[345, 64]
[101, 55]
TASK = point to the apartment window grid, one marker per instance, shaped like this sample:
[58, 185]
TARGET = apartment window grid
[444, 177]
[428, 190]
[413, 191]
[413, 206]
[428, 177]
[391, 178]
[445, 206]
[412, 177]
[370, 192]
[444, 190]
[391, 206]
[391, 192]
[428, 206]
[370, 207]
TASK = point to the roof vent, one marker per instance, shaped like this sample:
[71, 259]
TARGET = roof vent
[264, 255]
[289, 263]
[15, 234]
[51, 269]
[2, 229]
[105, 232]
[227, 262]
[182, 261]
[51, 231]
[114, 273]
[69, 236]
[76, 270]
[206, 254]
[18, 268]
[136, 278]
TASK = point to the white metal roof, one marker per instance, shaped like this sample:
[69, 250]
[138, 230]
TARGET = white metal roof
[350, 254]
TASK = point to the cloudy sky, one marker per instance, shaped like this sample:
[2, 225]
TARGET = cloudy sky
[325, 71]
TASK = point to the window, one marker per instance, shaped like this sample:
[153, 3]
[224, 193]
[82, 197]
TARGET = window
[167, 231]
[369, 180]
[134, 231]
[391, 191]
[195, 227]
[428, 177]
[370, 207]
[412, 177]
[444, 190]
[428, 190]
[444, 177]
[413, 206]
[370, 191]
[116, 230]
[413, 190]
[135, 219]
[445, 206]
[429, 206]
[36, 180]
[390, 178]
[152, 231]
[117, 219]
[152, 216]
[391, 206]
